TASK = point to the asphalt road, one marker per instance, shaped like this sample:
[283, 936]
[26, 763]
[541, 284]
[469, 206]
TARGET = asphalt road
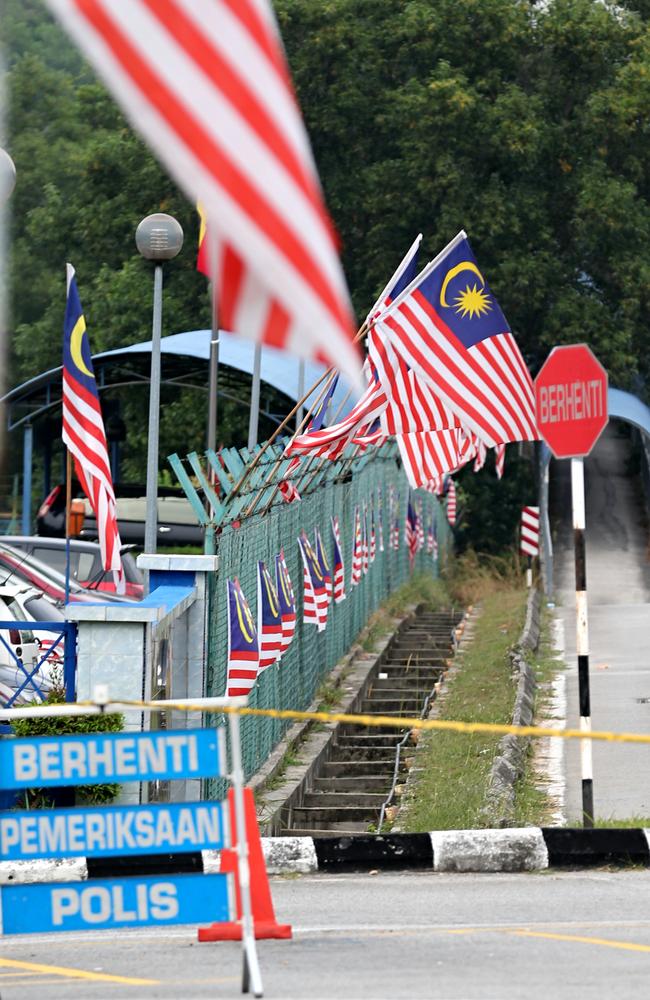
[618, 586]
[495, 937]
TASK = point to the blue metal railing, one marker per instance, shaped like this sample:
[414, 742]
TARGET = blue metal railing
[66, 637]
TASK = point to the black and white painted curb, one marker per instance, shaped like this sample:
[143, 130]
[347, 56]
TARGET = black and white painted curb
[511, 850]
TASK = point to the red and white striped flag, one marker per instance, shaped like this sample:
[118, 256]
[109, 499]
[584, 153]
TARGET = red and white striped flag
[364, 539]
[206, 84]
[500, 460]
[286, 599]
[324, 565]
[357, 557]
[451, 502]
[339, 568]
[380, 519]
[419, 525]
[530, 531]
[373, 536]
[243, 648]
[269, 621]
[315, 600]
[83, 431]
[448, 327]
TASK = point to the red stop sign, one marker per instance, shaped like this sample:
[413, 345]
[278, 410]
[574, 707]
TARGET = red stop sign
[571, 400]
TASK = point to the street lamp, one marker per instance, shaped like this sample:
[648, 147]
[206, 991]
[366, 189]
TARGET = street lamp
[159, 237]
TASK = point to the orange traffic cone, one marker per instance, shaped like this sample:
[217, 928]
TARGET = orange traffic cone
[264, 921]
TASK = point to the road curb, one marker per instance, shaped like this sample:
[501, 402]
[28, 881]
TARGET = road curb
[511, 850]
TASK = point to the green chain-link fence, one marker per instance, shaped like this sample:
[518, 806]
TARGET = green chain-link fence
[292, 683]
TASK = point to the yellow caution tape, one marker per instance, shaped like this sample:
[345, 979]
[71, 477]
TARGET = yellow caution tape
[538, 732]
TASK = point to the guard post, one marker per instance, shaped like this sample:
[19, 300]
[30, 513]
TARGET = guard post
[123, 830]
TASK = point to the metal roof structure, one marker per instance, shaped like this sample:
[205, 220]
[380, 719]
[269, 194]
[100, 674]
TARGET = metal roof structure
[184, 359]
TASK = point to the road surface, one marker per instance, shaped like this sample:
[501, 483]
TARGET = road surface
[433, 936]
[618, 582]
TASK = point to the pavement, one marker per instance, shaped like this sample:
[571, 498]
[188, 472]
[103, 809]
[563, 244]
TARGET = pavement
[618, 586]
[424, 935]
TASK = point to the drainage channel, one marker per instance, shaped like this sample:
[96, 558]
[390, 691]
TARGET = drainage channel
[347, 792]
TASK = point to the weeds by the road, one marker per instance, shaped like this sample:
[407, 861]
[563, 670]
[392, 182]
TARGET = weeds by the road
[449, 794]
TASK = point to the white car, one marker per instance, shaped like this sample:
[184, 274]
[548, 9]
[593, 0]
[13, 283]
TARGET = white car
[21, 603]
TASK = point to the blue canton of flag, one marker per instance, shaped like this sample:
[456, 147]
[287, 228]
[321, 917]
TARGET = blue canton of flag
[269, 622]
[324, 564]
[320, 412]
[243, 649]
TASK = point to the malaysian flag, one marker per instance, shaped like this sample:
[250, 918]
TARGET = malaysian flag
[430, 534]
[402, 278]
[339, 569]
[380, 519]
[286, 600]
[315, 601]
[206, 84]
[83, 431]
[448, 327]
[419, 525]
[411, 533]
[451, 502]
[373, 536]
[435, 537]
[243, 650]
[357, 557]
[364, 540]
[499, 460]
[324, 565]
[331, 441]
[269, 620]
[481, 455]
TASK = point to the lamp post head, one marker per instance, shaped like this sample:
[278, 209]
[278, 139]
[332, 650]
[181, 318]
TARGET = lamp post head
[159, 237]
[7, 176]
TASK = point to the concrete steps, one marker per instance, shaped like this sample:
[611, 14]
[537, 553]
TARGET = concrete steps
[347, 792]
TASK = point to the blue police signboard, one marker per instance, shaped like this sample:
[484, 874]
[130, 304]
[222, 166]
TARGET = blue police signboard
[77, 760]
[109, 903]
[112, 830]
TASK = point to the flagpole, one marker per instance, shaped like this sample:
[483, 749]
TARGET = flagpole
[254, 415]
[329, 374]
[68, 511]
[213, 371]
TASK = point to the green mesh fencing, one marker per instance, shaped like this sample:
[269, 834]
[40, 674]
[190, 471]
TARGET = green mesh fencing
[293, 682]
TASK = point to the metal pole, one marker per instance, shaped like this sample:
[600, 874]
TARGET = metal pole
[545, 525]
[68, 512]
[28, 445]
[252, 974]
[213, 374]
[582, 636]
[301, 392]
[255, 398]
[151, 523]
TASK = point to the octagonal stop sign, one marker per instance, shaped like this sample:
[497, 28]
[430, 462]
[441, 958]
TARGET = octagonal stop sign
[571, 400]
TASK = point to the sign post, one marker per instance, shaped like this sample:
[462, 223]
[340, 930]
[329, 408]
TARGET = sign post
[571, 411]
[120, 831]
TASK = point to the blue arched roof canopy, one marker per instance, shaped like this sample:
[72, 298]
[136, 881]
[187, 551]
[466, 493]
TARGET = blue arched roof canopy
[621, 406]
[278, 369]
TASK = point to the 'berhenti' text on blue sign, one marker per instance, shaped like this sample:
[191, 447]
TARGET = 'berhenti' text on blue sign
[112, 830]
[83, 760]
[110, 903]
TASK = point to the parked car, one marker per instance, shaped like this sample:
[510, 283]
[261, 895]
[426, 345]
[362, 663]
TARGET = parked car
[85, 562]
[17, 565]
[21, 603]
[177, 523]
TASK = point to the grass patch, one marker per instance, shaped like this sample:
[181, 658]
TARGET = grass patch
[473, 576]
[632, 822]
[450, 792]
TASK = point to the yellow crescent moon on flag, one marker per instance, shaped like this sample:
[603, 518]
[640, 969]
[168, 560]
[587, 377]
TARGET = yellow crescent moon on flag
[465, 265]
[271, 594]
[75, 346]
[247, 635]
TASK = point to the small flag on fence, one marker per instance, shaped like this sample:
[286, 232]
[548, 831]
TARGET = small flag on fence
[243, 649]
[500, 459]
[380, 519]
[430, 534]
[530, 531]
[451, 502]
[339, 569]
[314, 608]
[324, 565]
[364, 540]
[411, 533]
[435, 538]
[269, 621]
[419, 525]
[373, 536]
[357, 557]
[288, 489]
[286, 600]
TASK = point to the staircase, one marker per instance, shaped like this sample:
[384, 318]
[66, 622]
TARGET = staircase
[347, 792]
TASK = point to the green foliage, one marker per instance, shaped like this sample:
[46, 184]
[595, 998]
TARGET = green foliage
[489, 509]
[526, 124]
[69, 725]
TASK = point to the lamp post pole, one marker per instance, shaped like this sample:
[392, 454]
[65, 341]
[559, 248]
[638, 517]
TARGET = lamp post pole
[159, 237]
